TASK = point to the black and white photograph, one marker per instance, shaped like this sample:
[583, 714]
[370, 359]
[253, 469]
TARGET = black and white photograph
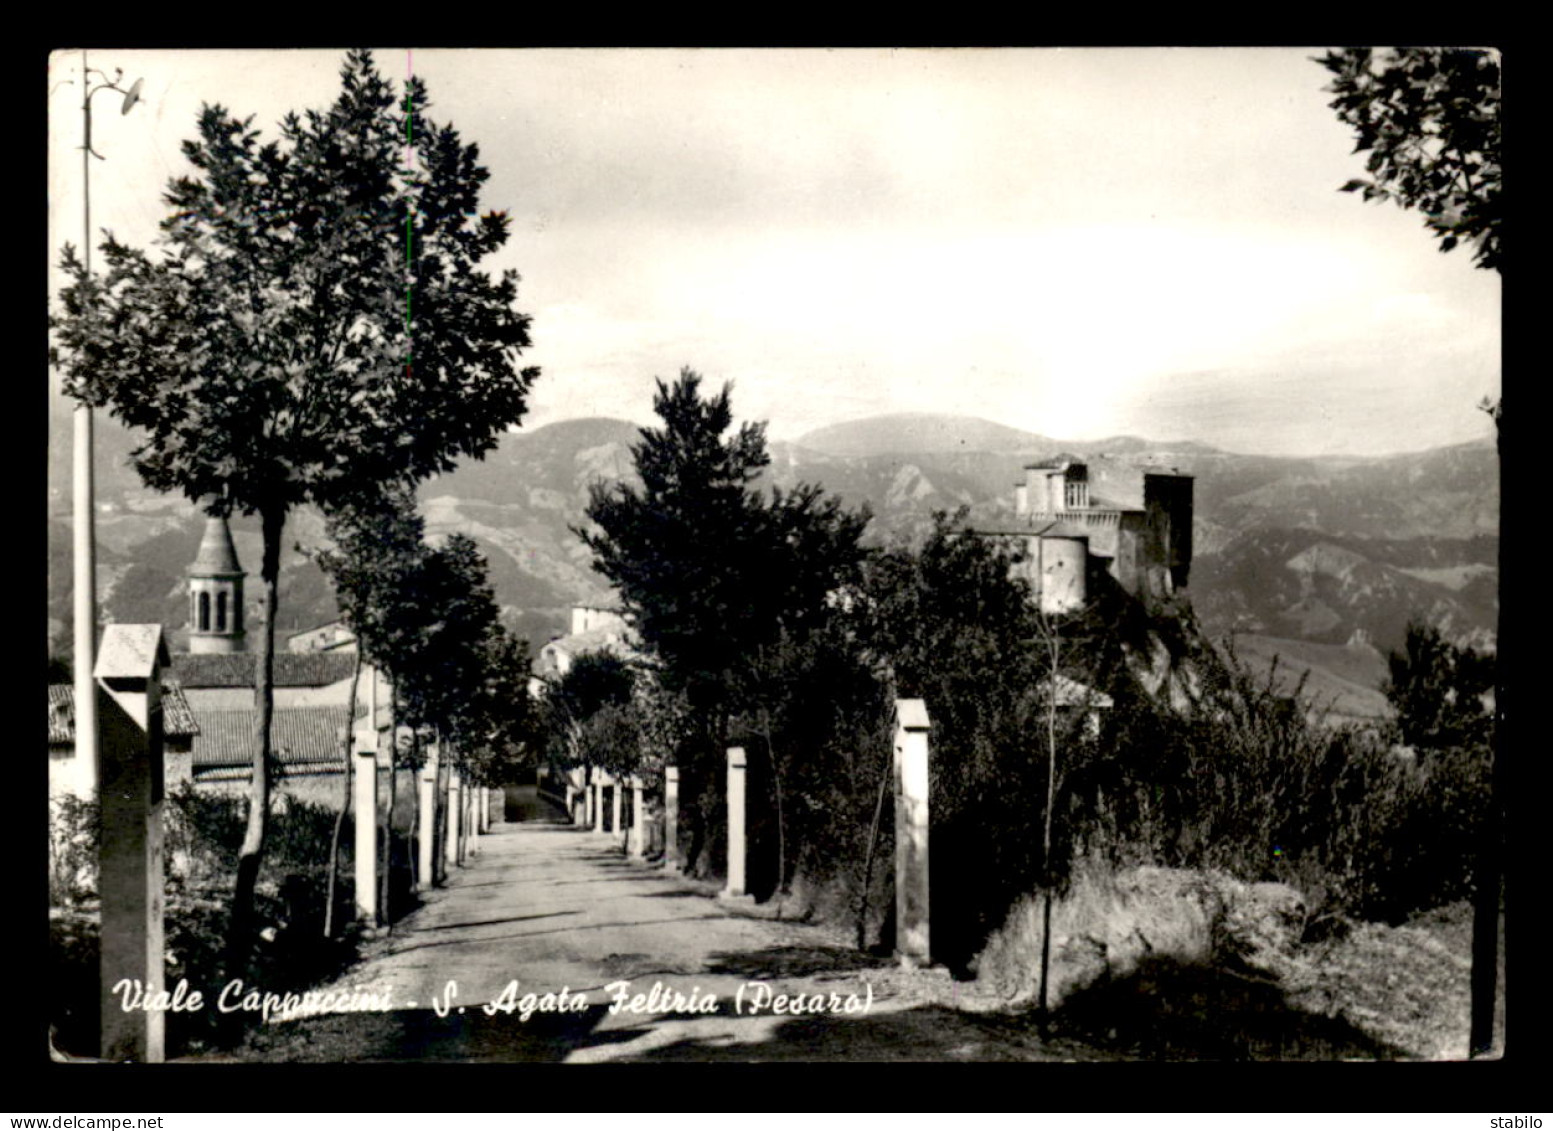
[727, 555]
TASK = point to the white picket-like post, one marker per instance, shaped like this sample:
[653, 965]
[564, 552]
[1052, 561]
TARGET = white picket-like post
[637, 844]
[426, 847]
[450, 842]
[737, 764]
[364, 802]
[671, 818]
[616, 804]
[131, 879]
[912, 942]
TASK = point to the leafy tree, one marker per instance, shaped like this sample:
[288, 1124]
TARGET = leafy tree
[269, 350]
[1429, 118]
[954, 628]
[711, 572]
[1437, 690]
[374, 565]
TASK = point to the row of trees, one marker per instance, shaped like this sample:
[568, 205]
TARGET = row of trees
[427, 617]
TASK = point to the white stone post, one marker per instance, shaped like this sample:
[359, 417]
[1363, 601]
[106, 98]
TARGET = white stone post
[637, 844]
[616, 805]
[455, 808]
[424, 854]
[131, 783]
[912, 943]
[364, 796]
[736, 770]
[598, 801]
[671, 818]
[485, 808]
[476, 816]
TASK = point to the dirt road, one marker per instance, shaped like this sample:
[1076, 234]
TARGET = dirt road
[637, 965]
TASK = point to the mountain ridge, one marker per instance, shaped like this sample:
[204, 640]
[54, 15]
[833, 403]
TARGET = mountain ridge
[1321, 549]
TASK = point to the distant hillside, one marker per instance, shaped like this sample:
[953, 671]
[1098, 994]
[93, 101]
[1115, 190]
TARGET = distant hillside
[919, 432]
[938, 434]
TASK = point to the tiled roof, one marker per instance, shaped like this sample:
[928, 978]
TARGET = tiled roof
[298, 735]
[177, 718]
[236, 669]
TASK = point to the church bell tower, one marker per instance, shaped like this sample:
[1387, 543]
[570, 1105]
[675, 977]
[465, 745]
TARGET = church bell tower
[216, 593]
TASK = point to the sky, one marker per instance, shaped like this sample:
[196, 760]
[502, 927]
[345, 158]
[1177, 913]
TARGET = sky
[1078, 242]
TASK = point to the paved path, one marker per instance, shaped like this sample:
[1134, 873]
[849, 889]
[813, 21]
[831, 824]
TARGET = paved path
[561, 911]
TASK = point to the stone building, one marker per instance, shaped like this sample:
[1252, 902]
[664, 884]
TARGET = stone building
[331, 637]
[1077, 522]
[593, 629]
[208, 697]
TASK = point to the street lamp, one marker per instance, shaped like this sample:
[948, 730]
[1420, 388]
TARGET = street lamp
[84, 518]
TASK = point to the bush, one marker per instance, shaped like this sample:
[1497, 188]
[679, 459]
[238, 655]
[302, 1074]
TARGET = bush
[1247, 782]
[75, 829]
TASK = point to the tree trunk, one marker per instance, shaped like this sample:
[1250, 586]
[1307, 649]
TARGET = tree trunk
[776, 783]
[345, 800]
[385, 857]
[1054, 655]
[868, 857]
[251, 854]
[1485, 907]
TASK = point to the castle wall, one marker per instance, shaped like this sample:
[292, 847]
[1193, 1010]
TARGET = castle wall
[1061, 565]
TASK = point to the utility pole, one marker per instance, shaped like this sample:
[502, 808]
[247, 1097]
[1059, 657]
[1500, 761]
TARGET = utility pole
[85, 550]
[84, 502]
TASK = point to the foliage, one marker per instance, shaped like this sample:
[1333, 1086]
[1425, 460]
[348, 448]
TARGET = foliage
[816, 737]
[428, 617]
[1246, 781]
[204, 830]
[267, 352]
[1429, 118]
[714, 575]
[466, 676]
[956, 629]
[707, 569]
[75, 830]
[587, 717]
[1438, 691]
[374, 566]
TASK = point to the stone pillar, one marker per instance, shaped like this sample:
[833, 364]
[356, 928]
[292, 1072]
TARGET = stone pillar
[131, 784]
[637, 844]
[616, 805]
[485, 808]
[736, 770]
[455, 811]
[473, 826]
[671, 818]
[912, 944]
[424, 876]
[598, 801]
[364, 796]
